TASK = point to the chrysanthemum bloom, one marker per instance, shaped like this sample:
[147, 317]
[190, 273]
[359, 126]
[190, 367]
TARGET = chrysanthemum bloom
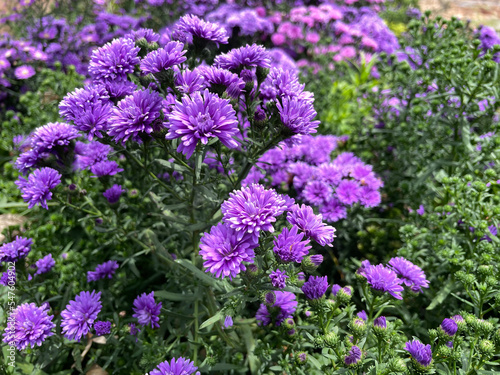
[52, 135]
[24, 72]
[146, 310]
[36, 189]
[80, 314]
[369, 197]
[354, 356]
[449, 326]
[411, 275]
[297, 115]
[278, 278]
[113, 193]
[315, 287]
[244, 57]
[284, 303]
[45, 264]
[380, 322]
[31, 325]
[105, 168]
[252, 209]
[383, 279]
[221, 80]
[192, 29]
[312, 225]
[15, 250]
[180, 366]
[202, 116]
[224, 253]
[163, 58]
[347, 192]
[289, 247]
[317, 192]
[188, 82]
[420, 352]
[228, 321]
[114, 60]
[102, 328]
[134, 115]
[106, 269]
[88, 154]
[332, 210]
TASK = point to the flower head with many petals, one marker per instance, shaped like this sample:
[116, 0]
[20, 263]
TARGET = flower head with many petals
[146, 310]
[114, 60]
[180, 366]
[383, 279]
[282, 307]
[15, 250]
[421, 353]
[36, 188]
[311, 224]
[80, 314]
[411, 275]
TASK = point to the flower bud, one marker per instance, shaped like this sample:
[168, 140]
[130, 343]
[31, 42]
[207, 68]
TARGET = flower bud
[300, 358]
[486, 348]
[358, 327]
[331, 340]
[449, 327]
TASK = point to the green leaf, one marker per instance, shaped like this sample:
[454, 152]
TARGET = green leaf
[210, 321]
[208, 280]
[441, 296]
[174, 166]
[163, 294]
[314, 362]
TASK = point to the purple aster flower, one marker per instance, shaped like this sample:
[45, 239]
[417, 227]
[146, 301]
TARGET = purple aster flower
[113, 194]
[278, 278]
[315, 287]
[188, 82]
[114, 60]
[202, 116]
[317, 192]
[164, 58]
[449, 326]
[228, 321]
[15, 250]
[192, 29]
[248, 56]
[180, 366]
[354, 356]
[102, 328]
[347, 192]
[8, 277]
[220, 80]
[333, 210]
[28, 325]
[134, 115]
[383, 279]
[380, 322]
[335, 289]
[45, 264]
[289, 247]
[297, 115]
[369, 197]
[420, 352]
[106, 269]
[411, 275]
[312, 225]
[88, 154]
[147, 34]
[133, 329]
[252, 209]
[224, 252]
[119, 89]
[24, 72]
[282, 308]
[105, 168]
[421, 210]
[36, 189]
[146, 310]
[80, 314]
[52, 135]
[316, 259]
[362, 315]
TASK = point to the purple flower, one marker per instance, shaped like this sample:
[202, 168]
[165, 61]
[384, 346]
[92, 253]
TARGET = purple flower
[188, 82]
[315, 287]
[147, 34]
[28, 325]
[411, 275]
[15, 250]
[105, 168]
[297, 115]
[316, 259]
[52, 135]
[317, 192]
[383, 279]
[354, 356]
[458, 318]
[333, 210]
[45, 264]
[113, 194]
[36, 189]
[289, 247]
[191, 29]
[24, 72]
[202, 116]
[420, 352]
[114, 60]
[228, 321]
[220, 80]
[252, 209]
[248, 56]
[224, 252]
[362, 315]
[278, 278]
[88, 154]
[102, 328]
[164, 58]
[133, 329]
[380, 322]
[284, 304]
[421, 210]
[8, 277]
[312, 225]
[80, 314]
[146, 310]
[449, 326]
[347, 192]
[135, 115]
[180, 366]
[369, 197]
[106, 269]
[335, 289]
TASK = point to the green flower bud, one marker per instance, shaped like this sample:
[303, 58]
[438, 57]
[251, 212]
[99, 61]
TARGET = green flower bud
[485, 270]
[358, 327]
[331, 340]
[483, 327]
[301, 358]
[486, 348]
[397, 365]
[319, 342]
[444, 351]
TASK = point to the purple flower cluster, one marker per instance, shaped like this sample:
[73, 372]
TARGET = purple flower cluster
[15, 250]
[102, 271]
[102, 328]
[281, 306]
[45, 264]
